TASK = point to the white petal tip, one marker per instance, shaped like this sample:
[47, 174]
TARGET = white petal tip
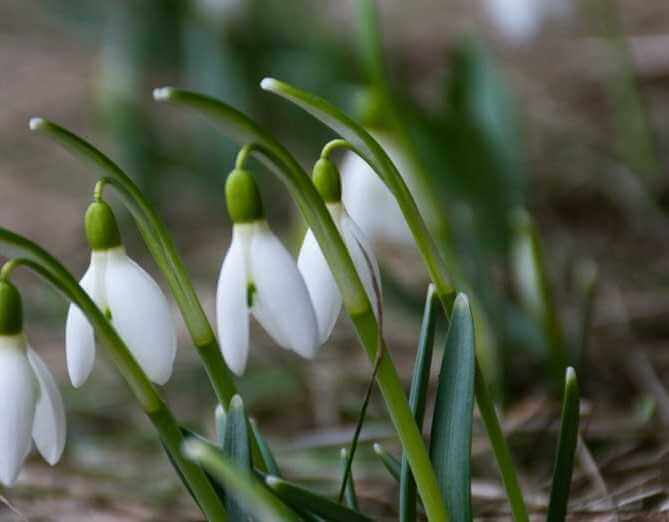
[162, 93]
[378, 449]
[36, 123]
[343, 453]
[268, 84]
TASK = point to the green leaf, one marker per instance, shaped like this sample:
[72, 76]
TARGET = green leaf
[236, 449]
[349, 494]
[265, 451]
[417, 395]
[239, 483]
[535, 292]
[564, 460]
[451, 442]
[220, 417]
[391, 463]
[303, 499]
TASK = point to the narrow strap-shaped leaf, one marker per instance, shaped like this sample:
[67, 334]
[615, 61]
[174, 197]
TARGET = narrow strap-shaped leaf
[450, 448]
[239, 483]
[236, 449]
[265, 451]
[564, 459]
[417, 395]
[220, 416]
[350, 496]
[391, 463]
[301, 498]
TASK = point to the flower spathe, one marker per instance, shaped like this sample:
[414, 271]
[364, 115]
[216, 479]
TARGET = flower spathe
[259, 277]
[31, 408]
[137, 309]
[325, 295]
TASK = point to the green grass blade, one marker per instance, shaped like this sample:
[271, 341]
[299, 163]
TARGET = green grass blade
[236, 449]
[265, 451]
[417, 395]
[391, 463]
[564, 459]
[452, 420]
[220, 417]
[500, 448]
[303, 499]
[239, 483]
[350, 496]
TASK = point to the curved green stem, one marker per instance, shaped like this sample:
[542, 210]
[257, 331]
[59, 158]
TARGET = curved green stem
[368, 149]
[332, 145]
[45, 265]
[281, 162]
[162, 248]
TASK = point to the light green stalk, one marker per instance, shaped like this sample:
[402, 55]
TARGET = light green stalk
[42, 263]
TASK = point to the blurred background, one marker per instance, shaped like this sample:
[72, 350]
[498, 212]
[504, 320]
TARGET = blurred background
[534, 135]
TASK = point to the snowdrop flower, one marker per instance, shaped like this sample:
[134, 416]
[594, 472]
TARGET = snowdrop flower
[321, 284]
[131, 299]
[369, 202]
[259, 277]
[31, 407]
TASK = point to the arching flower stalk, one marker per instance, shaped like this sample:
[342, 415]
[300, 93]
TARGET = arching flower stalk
[259, 277]
[30, 402]
[130, 299]
[325, 294]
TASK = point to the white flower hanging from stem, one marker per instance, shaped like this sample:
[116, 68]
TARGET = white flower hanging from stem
[259, 277]
[325, 295]
[131, 299]
[30, 402]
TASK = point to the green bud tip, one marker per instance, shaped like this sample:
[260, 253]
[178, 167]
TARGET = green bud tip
[327, 180]
[101, 228]
[243, 197]
[11, 310]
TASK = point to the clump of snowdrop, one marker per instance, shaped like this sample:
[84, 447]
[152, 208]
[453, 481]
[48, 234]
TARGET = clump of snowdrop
[259, 277]
[30, 403]
[128, 296]
[325, 295]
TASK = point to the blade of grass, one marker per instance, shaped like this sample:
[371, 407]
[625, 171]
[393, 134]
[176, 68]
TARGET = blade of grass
[302, 498]
[391, 463]
[265, 451]
[417, 395]
[350, 497]
[239, 483]
[450, 448]
[564, 459]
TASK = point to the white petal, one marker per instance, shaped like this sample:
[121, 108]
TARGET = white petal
[232, 314]
[518, 21]
[141, 315]
[79, 335]
[18, 395]
[321, 285]
[369, 202]
[281, 303]
[363, 258]
[49, 425]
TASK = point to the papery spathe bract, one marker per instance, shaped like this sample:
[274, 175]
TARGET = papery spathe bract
[260, 277]
[138, 310]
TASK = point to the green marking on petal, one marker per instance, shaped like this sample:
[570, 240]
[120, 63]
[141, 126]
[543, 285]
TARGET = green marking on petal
[250, 293]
